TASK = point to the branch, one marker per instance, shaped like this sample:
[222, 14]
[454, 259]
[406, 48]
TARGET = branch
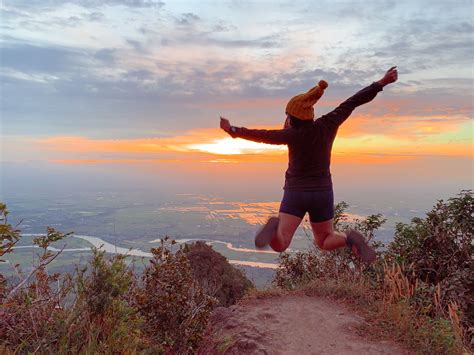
[42, 264]
[9, 246]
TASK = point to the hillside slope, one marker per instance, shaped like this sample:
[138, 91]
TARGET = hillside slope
[290, 324]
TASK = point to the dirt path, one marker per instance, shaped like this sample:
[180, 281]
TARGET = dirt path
[292, 324]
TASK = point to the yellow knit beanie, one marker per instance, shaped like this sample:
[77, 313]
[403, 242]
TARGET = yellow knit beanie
[301, 106]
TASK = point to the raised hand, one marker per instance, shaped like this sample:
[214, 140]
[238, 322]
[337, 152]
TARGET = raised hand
[390, 76]
[225, 124]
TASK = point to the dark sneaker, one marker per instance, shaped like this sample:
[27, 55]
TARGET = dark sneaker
[266, 233]
[366, 253]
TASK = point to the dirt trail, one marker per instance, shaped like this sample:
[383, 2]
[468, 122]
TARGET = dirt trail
[292, 324]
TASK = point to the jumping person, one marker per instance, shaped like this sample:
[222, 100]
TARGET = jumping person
[308, 185]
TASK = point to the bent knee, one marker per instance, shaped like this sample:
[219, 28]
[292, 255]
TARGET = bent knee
[281, 242]
[279, 247]
[319, 240]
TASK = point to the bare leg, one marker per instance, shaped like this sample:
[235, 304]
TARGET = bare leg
[286, 230]
[326, 237]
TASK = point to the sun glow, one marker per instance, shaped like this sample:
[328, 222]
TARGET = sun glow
[230, 146]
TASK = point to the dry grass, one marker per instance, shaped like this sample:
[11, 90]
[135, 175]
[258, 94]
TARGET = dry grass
[255, 294]
[396, 285]
[454, 312]
[391, 313]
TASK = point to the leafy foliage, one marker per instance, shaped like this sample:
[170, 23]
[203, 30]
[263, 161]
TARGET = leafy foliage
[438, 251]
[425, 273]
[216, 276]
[9, 235]
[105, 307]
[175, 307]
[88, 313]
[422, 285]
[295, 269]
[102, 313]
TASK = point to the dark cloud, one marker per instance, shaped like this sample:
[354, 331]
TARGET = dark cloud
[84, 3]
[139, 75]
[206, 38]
[80, 81]
[106, 55]
[82, 99]
[263, 42]
[26, 19]
[349, 10]
[221, 27]
[137, 45]
[53, 87]
[73, 21]
[130, 3]
[95, 16]
[187, 19]
[29, 58]
[416, 43]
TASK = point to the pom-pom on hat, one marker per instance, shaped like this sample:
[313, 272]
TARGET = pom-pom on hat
[301, 106]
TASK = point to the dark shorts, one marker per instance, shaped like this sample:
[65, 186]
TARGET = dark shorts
[319, 204]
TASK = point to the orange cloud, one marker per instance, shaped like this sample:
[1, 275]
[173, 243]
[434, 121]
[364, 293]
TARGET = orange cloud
[142, 145]
[110, 161]
[360, 139]
[201, 140]
[250, 103]
[198, 145]
[400, 126]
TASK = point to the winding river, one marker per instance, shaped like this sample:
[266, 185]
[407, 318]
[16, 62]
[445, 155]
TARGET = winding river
[113, 249]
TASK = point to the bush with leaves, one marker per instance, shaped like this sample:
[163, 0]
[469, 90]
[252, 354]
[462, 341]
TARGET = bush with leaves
[9, 236]
[103, 307]
[175, 307]
[426, 274]
[33, 318]
[438, 251]
[296, 269]
[88, 313]
[216, 275]
[102, 318]
[32, 312]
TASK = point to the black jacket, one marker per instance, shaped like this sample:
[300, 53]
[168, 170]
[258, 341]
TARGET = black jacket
[309, 146]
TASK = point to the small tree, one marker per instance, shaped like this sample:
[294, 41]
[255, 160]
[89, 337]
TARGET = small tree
[32, 311]
[438, 250]
[102, 319]
[216, 275]
[175, 307]
[9, 236]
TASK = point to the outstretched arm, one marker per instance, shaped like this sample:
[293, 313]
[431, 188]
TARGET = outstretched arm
[274, 136]
[336, 117]
[390, 76]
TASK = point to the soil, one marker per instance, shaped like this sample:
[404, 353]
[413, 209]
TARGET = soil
[291, 324]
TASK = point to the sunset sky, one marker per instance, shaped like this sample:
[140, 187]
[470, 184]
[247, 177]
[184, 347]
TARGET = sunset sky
[122, 81]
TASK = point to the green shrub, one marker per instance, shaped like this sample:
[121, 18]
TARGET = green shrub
[103, 307]
[88, 313]
[175, 307]
[438, 250]
[9, 236]
[297, 269]
[421, 284]
[102, 318]
[216, 275]
[32, 312]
